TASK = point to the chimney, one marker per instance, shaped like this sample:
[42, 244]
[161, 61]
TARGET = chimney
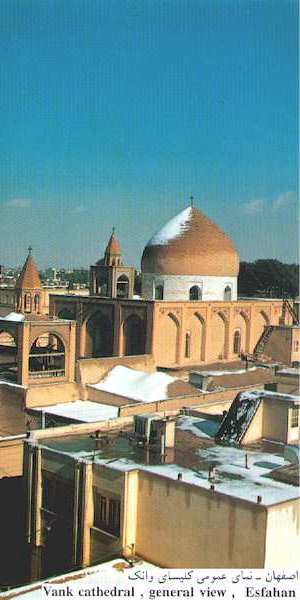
[259, 499]
[179, 476]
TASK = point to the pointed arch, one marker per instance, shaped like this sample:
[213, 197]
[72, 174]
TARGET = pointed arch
[219, 336]
[168, 351]
[197, 328]
[241, 322]
[47, 356]
[134, 338]
[99, 336]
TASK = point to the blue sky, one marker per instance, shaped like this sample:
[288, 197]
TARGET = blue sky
[114, 111]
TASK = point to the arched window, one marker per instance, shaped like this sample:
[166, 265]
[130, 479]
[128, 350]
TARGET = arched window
[134, 336]
[187, 352]
[37, 303]
[227, 293]
[123, 287]
[27, 302]
[47, 357]
[195, 293]
[237, 342]
[159, 292]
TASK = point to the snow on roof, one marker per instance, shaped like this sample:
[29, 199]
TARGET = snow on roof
[201, 427]
[13, 316]
[172, 229]
[81, 410]
[115, 571]
[289, 371]
[232, 477]
[137, 385]
[219, 373]
[12, 384]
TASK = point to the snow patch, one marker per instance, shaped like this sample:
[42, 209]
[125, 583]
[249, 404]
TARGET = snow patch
[219, 373]
[13, 316]
[172, 229]
[203, 428]
[83, 411]
[137, 385]
[288, 371]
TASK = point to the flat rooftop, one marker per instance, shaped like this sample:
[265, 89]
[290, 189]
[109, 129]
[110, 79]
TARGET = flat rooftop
[82, 411]
[115, 571]
[194, 454]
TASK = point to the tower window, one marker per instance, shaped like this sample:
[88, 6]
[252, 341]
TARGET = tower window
[227, 293]
[123, 287]
[195, 293]
[159, 292]
[27, 302]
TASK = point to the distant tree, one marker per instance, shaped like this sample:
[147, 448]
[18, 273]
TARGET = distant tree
[269, 278]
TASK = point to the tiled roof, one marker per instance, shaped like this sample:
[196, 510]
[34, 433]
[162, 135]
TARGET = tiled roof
[29, 277]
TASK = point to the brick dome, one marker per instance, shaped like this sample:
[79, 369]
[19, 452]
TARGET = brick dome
[191, 244]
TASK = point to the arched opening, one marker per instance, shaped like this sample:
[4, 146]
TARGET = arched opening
[241, 324]
[134, 337]
[159, 292]
[99, 336]
[66, 313]
[227, 293]
[47, 357]
[122, 286]
[195, 293]
[8, 357]
[187, 349]
[169, 340]
[27, 302]
[218, 332]
[237, 342]
[37, 303]
[197, 340]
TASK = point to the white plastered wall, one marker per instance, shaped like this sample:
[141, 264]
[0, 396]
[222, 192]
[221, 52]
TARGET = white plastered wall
[177, 287]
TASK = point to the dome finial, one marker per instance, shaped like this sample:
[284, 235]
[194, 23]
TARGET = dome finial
[191, 200]
[30, 250]
[113, 230]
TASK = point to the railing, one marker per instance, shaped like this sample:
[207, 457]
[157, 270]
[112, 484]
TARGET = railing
[44, 374]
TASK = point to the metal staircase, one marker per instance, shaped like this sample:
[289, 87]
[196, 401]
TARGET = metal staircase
[262, 342]
[288, 307]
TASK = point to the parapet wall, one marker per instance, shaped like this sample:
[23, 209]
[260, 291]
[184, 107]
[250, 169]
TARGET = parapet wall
[92, 370]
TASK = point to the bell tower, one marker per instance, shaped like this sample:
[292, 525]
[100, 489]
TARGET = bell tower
[109, 277]
[28, 287]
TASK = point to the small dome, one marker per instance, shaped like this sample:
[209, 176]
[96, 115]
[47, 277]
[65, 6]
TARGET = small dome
[191, 244]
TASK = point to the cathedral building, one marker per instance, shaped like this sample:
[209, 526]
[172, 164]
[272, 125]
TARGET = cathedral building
[188, 313]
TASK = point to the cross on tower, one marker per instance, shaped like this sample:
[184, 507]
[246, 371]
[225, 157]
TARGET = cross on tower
[192, 200]
[29, 249]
